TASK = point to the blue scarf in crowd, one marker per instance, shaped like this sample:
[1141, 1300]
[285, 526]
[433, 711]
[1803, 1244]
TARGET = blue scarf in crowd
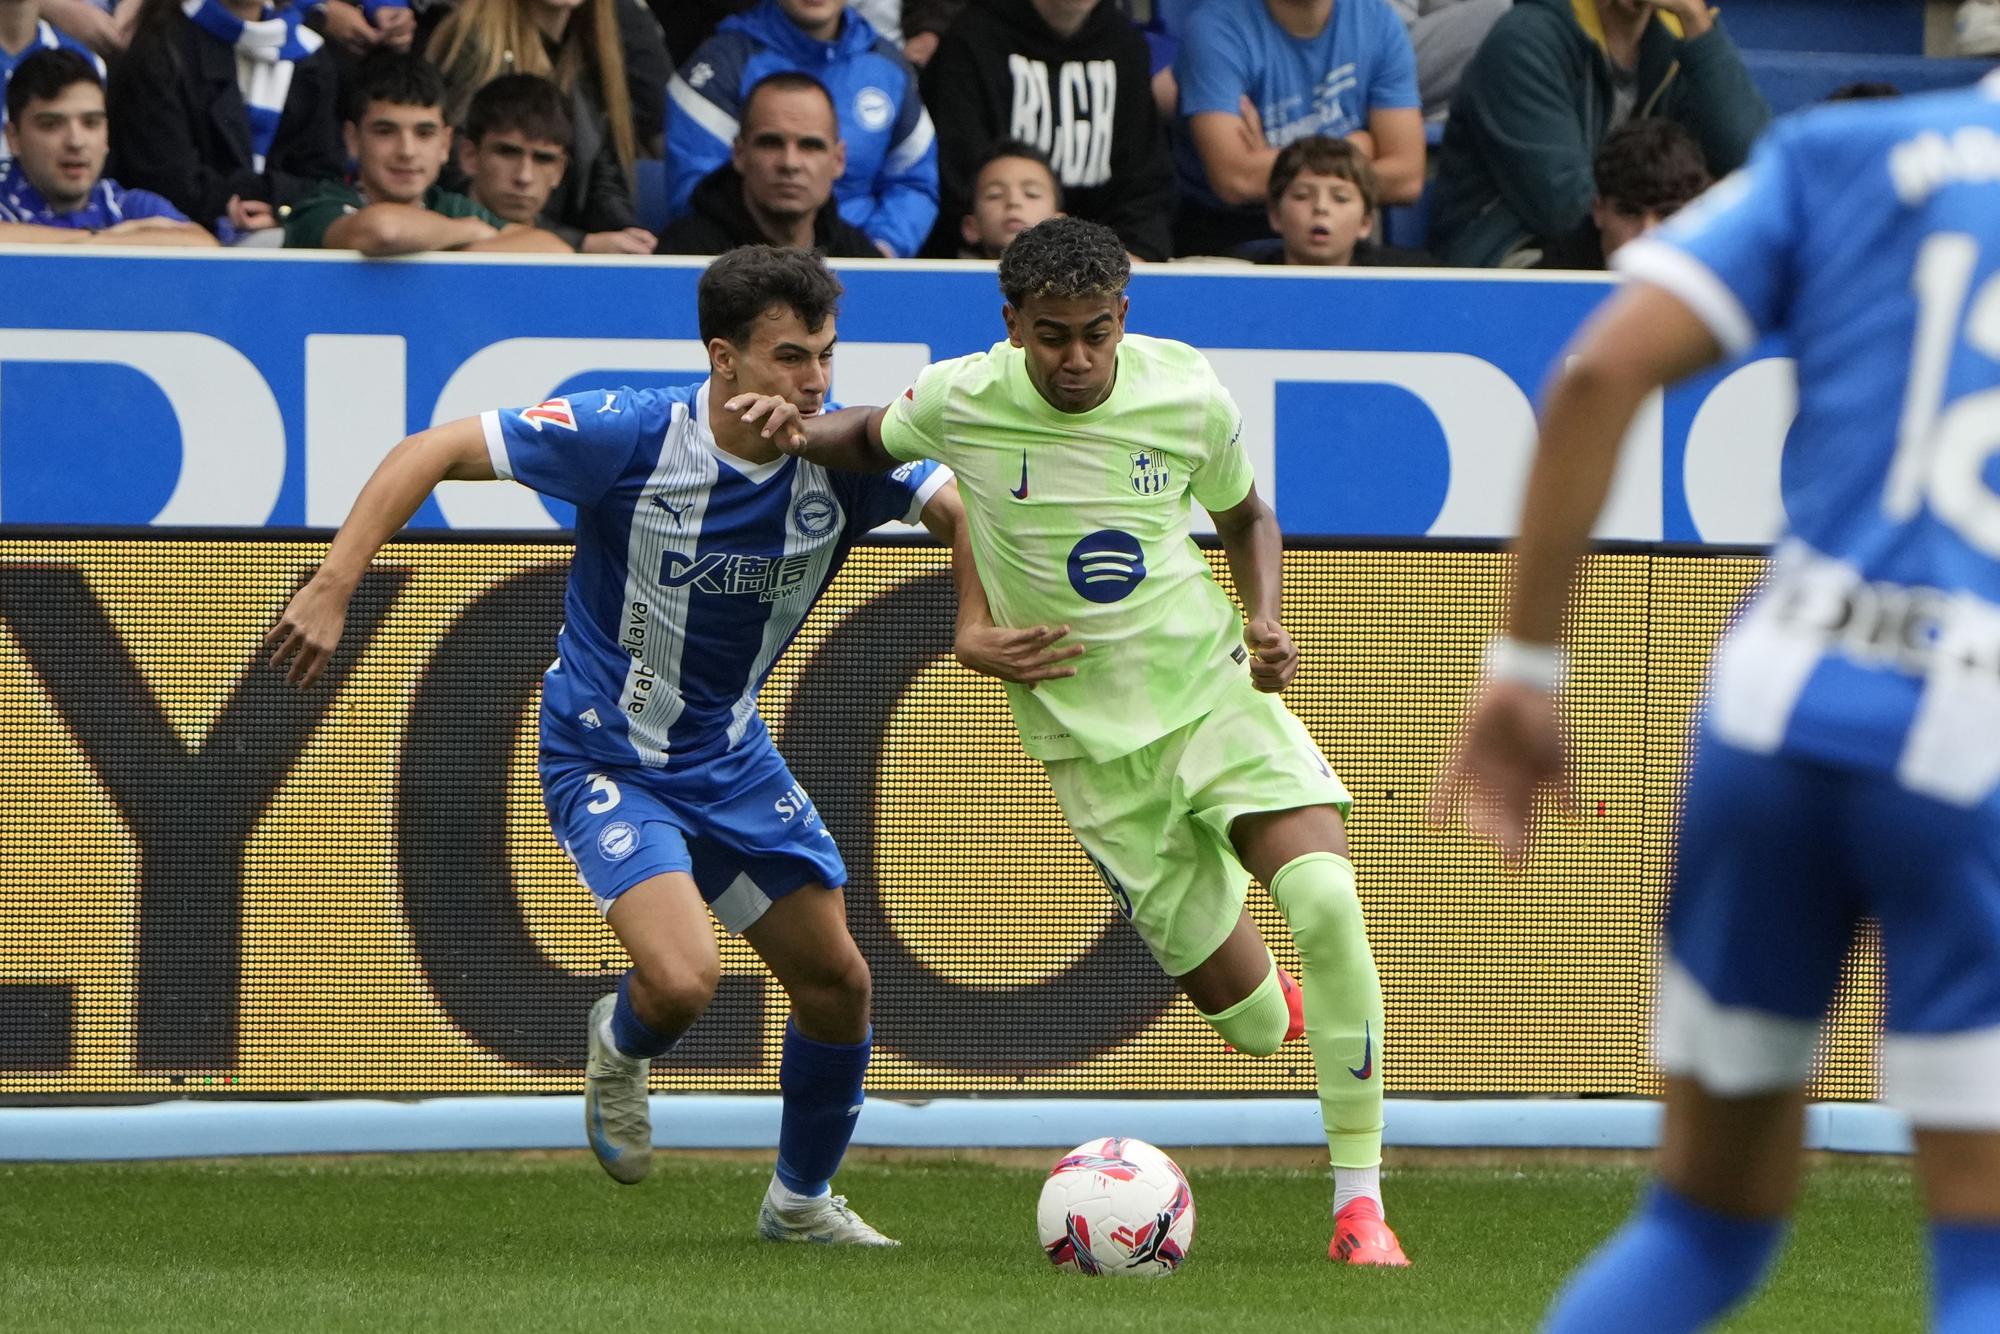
[266, 51]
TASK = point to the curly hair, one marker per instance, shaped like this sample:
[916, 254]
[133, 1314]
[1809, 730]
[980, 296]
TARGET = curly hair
[1650, 163]
[1064, 257]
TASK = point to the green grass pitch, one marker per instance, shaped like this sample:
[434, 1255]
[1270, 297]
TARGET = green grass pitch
[545, 1242]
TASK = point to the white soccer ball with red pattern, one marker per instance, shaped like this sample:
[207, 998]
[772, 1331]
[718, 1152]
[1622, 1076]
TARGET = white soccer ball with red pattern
[1116, 1208]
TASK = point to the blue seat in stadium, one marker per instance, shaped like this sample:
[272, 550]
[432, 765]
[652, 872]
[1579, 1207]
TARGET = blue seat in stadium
[649, 194]
[1792, 79]
[1860, 26]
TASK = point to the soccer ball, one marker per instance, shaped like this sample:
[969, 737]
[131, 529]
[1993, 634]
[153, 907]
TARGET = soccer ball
[1116, 1207]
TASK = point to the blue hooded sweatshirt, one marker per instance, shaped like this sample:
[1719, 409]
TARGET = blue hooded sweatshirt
[890, 188]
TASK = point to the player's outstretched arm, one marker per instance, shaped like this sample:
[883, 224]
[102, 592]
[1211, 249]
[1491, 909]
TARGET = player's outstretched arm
[1255, 549]
[846, 441]
[1027, 657]
[1511, 748]
[308, 631]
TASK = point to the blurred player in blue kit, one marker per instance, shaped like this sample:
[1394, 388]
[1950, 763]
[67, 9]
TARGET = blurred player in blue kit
[699, 550]
[1847, 759]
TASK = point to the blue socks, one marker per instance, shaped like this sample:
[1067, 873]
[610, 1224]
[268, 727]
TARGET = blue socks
[822, 1087]
[1680, 1264]
[630, 1034]
[1965, 1277]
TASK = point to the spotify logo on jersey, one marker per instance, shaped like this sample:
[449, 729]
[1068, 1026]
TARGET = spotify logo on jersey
[1107, 565]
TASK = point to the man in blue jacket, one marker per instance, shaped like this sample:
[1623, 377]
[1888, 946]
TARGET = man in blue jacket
[890, 187]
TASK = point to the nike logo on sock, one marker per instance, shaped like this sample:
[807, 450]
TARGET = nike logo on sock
[1367, 1055]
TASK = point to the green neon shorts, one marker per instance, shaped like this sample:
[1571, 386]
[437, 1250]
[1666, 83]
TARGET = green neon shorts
[1157, 821]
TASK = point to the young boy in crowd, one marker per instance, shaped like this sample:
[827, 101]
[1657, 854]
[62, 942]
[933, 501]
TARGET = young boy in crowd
[1322, 202]
[1014, 189]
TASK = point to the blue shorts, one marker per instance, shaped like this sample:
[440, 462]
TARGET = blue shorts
[1780, 858]
[740, 825]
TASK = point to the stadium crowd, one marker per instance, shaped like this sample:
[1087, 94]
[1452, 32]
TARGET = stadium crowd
[1525, 133]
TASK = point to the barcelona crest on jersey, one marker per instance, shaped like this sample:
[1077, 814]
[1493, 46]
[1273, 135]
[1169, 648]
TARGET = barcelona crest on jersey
[1149, 472]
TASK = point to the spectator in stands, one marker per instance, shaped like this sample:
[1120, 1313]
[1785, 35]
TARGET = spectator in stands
[53, 190]
[399, 141]
[1445, 35]
[1645, 172]
[1322, 205]
[1257, 74]
[1072, 78]
[1015, 189]
[777, 188]
[227, 108]
[514, 153]
[577, 45]
[890, 186]
[22, 33]
[1553, 79]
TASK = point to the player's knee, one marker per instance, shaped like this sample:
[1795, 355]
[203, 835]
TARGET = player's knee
[671, 995]
[1321, 906]
[836, 993]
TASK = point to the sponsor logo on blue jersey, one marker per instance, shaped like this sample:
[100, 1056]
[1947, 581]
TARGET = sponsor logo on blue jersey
[767, 578]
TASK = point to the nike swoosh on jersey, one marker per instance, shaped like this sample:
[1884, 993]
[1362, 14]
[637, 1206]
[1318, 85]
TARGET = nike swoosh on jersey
[1021, 492]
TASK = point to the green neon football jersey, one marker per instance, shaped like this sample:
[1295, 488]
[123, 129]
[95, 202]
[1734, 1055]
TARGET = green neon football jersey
[1082, 519]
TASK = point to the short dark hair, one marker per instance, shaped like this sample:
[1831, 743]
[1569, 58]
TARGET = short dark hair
[527, 104]
[791, 81]
[44, 75]
[739, 286]
[402, 79]
[1020, 148]
[1064, 257]
[1650, 163]
[1322, 156]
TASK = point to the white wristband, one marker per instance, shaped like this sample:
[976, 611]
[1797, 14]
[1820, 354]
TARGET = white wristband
[1536, 665]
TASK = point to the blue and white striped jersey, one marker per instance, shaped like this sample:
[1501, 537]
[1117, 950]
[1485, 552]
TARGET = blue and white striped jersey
[1869, 236]
[693, 568]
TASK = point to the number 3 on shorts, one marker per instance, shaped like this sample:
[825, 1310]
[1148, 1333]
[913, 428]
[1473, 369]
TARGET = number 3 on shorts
[1118, 893]
[607, 794]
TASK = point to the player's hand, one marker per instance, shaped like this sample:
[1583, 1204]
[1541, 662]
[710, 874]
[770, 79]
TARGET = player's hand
[1510, 752]
[1274, 658]
[782, 423]
[1025, 657]
[308, 632]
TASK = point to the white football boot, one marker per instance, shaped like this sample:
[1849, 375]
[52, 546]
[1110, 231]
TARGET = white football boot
[824, 1220]
[616, 1115]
